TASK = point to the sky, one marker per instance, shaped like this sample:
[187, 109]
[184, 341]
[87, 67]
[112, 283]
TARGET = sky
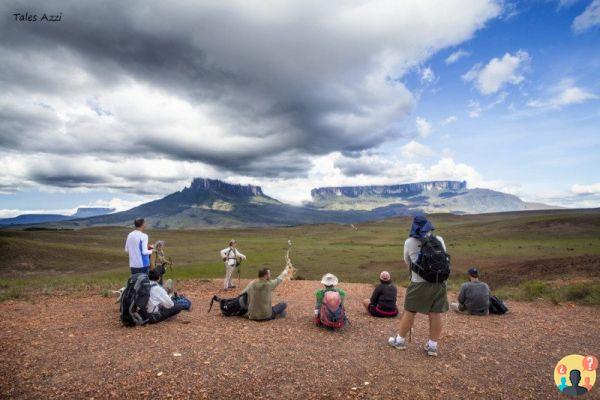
[119, 103]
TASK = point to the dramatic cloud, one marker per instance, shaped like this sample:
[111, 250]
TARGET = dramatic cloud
[233, 88]
[498, 72]
[457, 55]
[563, 94]
[588, 19]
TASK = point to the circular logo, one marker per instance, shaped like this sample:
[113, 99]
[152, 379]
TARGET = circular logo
[575, 375]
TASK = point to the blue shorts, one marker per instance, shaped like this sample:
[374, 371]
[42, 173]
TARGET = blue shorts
[143, 270]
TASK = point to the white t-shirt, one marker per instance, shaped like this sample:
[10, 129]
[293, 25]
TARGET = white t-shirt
[137, 247]
[158, 297]
[412, 248]
[230, 254]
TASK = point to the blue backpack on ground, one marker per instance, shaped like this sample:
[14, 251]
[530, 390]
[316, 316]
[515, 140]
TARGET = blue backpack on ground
[183, 301]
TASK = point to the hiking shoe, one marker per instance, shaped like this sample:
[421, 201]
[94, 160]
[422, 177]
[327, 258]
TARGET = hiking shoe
[431, 351]
[398, 344]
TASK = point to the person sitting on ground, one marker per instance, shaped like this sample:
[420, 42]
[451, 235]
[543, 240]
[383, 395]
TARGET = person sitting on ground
[232, 257]
[137, 247]
[422, 296]
[160, 305]
[329, 282]
[160, 264]
[474, 296]
[383, 300]
[260, 296]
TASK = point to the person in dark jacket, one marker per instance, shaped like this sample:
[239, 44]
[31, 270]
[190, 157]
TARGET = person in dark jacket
[383, 300]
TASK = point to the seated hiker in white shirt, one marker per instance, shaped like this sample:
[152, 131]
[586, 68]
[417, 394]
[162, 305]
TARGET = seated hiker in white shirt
[160, 306]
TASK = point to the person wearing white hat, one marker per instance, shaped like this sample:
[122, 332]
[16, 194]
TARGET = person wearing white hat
[330, 282]
[383, 300]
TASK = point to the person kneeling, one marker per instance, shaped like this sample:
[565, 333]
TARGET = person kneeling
[329, 308]
[383, 300]
[160, 305]
[260, 294]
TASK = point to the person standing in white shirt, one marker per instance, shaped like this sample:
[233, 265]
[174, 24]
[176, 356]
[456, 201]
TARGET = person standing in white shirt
[137, 247]
[231, 257]
[160, 305]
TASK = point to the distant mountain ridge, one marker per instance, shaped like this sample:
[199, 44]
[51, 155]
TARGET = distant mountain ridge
[386, 190]
[82, 212]
[434, 196]
[209, 203]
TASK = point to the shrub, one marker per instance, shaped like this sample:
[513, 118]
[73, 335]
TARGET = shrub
[536, 290]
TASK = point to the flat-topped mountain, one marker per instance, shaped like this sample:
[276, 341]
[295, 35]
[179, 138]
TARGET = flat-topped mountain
[435, 196]
[27, 219]
[214, 203]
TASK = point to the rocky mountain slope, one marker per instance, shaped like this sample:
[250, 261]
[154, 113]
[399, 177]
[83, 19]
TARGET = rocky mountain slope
[213, 203]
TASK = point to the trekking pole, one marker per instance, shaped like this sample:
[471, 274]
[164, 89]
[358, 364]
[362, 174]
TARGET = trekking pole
[239, 271]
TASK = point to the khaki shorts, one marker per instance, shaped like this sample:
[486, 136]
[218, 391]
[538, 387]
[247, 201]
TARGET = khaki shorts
[425, 298]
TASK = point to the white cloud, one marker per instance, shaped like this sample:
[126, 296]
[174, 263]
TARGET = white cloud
[450, 120]
[457, 55]
[588, 19]
[593, 188]
[424, 128]
[427, 75]
[563, 94]
[498, 72]
[415, 149]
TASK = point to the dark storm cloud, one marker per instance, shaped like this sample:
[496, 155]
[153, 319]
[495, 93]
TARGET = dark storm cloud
[282, 82]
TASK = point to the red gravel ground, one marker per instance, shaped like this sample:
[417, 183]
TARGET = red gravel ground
[71, 346]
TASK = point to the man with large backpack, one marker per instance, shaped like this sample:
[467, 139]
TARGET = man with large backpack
[144, 301]
[329, 307]
[425, 254]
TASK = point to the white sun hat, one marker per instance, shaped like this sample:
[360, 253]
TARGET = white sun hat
[329, 280]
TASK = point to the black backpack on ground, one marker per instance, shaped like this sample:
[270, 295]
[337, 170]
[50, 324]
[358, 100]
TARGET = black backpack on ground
[135, 300]
[497, 306]
[433, 263]
[233, 307]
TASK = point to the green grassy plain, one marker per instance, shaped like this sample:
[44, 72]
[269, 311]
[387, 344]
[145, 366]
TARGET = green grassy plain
[553, 255]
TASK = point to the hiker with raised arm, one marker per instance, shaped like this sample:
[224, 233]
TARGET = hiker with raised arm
[429, 265]
[161, 262]
[137, 247]
[329, 307]
[382, 303]
[260, 293]
[474, 296]
[232, 258]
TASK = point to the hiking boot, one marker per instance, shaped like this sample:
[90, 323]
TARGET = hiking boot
[397, 343]
[431, 351]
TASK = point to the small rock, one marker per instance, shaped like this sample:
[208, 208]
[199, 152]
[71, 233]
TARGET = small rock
[176, 354]
[159, 374]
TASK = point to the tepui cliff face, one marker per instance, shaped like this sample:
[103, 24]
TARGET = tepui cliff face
[387, 190]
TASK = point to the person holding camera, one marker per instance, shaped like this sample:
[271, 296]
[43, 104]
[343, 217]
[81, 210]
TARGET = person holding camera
[232, 258]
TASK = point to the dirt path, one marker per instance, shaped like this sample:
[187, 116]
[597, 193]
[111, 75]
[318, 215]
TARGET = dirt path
[74, 347]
